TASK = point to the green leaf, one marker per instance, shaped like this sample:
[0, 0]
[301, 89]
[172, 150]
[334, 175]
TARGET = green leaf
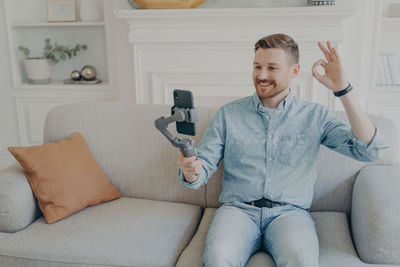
[54, 60]
[84, 46]
[47, 40]
[24, 50]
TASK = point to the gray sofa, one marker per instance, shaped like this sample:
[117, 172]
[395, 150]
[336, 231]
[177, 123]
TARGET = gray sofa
[159, 222]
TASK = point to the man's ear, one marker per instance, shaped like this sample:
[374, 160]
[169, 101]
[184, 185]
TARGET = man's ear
[295, 70]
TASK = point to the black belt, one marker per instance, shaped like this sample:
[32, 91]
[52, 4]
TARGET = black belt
[262, 203]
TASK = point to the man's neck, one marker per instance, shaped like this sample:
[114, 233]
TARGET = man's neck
[274, 101]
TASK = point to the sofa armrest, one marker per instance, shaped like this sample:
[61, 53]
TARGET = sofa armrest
[18, 205]
[375, 214]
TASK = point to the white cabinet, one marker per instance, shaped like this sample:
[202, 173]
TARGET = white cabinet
[384, 97]
[27, 26]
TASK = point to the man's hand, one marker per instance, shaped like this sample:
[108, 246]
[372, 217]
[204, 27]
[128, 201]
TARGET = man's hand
[190, 167]
[334, 77]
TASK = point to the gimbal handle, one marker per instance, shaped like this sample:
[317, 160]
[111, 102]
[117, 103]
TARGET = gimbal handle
[186, 145]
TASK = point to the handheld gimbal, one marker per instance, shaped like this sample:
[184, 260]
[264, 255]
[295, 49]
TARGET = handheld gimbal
[186, 145]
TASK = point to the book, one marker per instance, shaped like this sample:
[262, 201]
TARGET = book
[394, 66]
[381, 70]
[386, 70]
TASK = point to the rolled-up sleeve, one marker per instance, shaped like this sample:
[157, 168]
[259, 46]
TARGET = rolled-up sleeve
[196, 184]
[338, 136]
[210, 151]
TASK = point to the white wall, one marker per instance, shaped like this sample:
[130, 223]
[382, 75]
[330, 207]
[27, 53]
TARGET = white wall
[353, 59]
[9, 134]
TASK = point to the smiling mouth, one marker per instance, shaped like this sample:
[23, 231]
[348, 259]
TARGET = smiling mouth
[264, 84]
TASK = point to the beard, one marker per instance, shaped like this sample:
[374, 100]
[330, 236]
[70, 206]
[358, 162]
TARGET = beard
[269, 89]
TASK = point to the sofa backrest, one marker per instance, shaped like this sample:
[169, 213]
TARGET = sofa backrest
[123, 139]
[141, 163]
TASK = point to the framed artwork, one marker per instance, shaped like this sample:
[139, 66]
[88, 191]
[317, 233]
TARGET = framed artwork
[61, 10]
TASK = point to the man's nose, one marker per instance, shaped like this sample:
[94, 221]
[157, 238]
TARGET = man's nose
[263, 75]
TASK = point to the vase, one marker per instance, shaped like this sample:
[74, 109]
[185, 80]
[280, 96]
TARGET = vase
[38, 70]
[91, 10]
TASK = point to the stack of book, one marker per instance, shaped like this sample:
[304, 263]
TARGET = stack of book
[388, 70]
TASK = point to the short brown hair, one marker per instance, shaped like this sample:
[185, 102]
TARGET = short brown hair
[280, 40]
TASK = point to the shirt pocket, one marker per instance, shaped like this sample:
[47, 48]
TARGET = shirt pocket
[292, 148]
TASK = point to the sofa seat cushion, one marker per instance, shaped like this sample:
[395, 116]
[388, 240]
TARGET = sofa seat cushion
[336, 246]
[126, 231]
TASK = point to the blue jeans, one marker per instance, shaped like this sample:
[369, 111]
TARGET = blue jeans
[239, 230]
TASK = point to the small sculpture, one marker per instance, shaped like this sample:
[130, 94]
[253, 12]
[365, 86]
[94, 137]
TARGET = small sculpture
[75, 75]
[88, 73]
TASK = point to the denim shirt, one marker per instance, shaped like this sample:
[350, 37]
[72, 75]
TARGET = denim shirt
[274, 157]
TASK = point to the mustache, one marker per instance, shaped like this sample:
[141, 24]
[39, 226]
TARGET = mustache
[264, 81]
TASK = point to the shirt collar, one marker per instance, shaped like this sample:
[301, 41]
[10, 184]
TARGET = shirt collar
[283, 105]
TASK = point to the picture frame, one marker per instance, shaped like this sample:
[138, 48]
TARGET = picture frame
[61, 10]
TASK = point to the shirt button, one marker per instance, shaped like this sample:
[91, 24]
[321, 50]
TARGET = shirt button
[270, 159]
[270, 136]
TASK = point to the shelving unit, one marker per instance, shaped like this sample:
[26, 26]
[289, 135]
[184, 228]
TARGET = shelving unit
[28, 27]
[384, 99]
[55, 24]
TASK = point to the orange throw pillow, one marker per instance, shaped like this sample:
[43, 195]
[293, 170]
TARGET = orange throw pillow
[64, 177]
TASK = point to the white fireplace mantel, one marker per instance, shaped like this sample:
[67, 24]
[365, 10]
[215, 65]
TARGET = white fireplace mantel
[205, 50]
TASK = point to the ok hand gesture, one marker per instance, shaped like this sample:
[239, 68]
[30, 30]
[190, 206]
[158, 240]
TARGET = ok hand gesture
[334, 77]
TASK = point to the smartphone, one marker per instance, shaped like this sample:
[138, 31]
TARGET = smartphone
[184, 99]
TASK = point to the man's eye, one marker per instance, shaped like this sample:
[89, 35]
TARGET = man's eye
[272, 68]
[257, 67]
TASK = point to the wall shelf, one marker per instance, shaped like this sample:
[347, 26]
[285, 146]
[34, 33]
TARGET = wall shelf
[28, 27]
[60, 85]
[56, 24]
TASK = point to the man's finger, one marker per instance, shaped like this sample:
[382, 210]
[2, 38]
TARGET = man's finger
[182, 159]
[195, 163]
[333, 54]
[326, 52]
[315, 73]
[198, 169]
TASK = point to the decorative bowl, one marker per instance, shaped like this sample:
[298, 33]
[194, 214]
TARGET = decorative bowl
[171, 4]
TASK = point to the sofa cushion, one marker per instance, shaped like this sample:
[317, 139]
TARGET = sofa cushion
[375, 215]
[126, 232]
[64, 176]
[336, 246]
[18, 205]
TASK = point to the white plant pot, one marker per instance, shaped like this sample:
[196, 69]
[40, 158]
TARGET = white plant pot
[38, 70]
[91, 10]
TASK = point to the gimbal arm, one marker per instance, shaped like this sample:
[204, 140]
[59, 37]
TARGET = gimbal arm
[186, 145]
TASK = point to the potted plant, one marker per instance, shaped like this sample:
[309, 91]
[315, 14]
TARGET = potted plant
[38, 69]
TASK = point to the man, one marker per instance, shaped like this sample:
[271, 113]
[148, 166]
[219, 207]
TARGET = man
[270, 142]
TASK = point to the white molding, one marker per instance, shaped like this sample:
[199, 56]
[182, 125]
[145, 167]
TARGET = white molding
[157, 36]
[46, 102]
[234, 24]
[163, 83]
[233, 17]
[137, 57]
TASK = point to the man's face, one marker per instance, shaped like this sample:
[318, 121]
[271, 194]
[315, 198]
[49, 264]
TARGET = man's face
[272, 72]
